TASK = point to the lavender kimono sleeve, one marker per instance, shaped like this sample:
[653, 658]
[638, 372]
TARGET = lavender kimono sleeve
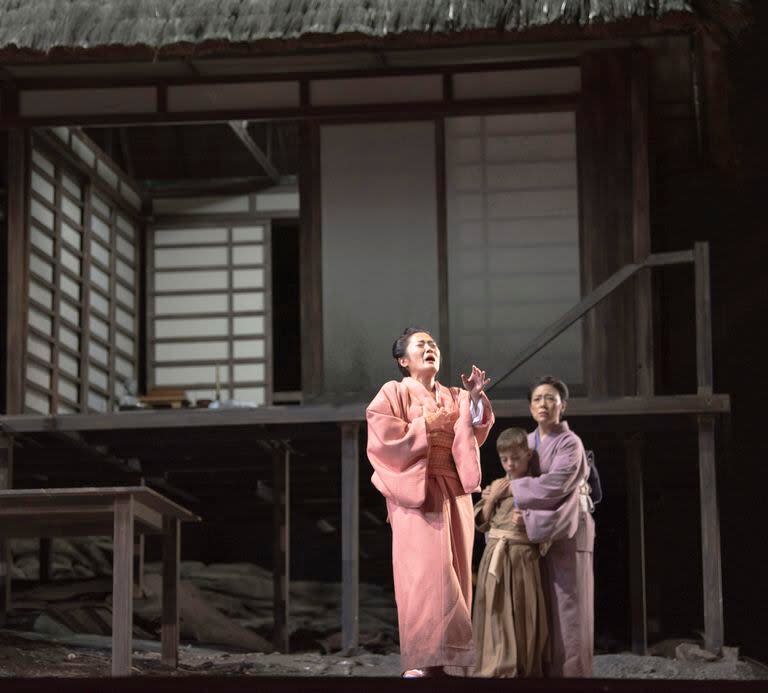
[550, 489]
[397, 449]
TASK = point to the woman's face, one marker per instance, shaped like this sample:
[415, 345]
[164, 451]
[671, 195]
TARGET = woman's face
[546, 405]
[422, 357]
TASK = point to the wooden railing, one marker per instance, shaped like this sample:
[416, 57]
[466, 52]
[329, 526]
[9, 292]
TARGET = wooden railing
[699, 256]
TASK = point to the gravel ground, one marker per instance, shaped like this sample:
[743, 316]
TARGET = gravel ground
[28, 655]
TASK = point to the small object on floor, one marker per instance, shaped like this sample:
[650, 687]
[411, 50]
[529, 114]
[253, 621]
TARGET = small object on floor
[415, 674]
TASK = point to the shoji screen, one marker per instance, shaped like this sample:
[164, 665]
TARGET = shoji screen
[209, 304]
[82, 323]
[513, 241]
[379, 265]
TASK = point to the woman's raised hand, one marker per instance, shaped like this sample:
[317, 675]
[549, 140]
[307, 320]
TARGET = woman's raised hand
[475, 383]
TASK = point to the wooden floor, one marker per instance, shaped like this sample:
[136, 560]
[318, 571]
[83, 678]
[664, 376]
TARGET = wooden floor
[188, 684]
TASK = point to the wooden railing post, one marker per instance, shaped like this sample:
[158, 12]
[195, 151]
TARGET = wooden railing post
[350, 531]
[281, 563]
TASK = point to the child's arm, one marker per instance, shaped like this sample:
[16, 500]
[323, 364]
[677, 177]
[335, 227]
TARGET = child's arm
[491, 496]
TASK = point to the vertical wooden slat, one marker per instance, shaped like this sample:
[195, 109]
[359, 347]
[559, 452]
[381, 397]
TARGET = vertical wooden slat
[56, 292]
[605, 170]
[442, 251]
[85, 325]
[169, 635]
[636, 532]
[6, 482]
[230, 314]
[310, 252]
[269, 379]
[112, 356]
[704, 371]
[641, 222]
[122, 587]
[710, 538]
[281, 563]
[350, 534]
[17, 269]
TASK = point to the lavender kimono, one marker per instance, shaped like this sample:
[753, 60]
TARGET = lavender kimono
[554, 507]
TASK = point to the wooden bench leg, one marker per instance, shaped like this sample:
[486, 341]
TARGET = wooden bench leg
[122, 588]
[170, 622]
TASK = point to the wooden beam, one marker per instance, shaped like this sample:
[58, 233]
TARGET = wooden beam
[281, 550]
[241, 130]
[6, 482]
[16, 270]
[704, 370]
[302, 416]
[310, 266]
[442, 247]
[641, 222]
[710, 538]
[350, 534]
[636, 532]
[122, 587]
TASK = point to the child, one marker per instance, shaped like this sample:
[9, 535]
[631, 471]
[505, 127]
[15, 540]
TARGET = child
[510, 620]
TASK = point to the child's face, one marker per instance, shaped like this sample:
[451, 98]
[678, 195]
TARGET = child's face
[515, 461]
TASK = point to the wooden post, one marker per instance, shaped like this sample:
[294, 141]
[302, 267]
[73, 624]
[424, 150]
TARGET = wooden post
[122, 587]
[704, 371]
[6, 482]
[281, 562]
[350, 520]
[710, 538]
[169, 635]
[641, 223]
[139, 550]
[310, 259]
[17, 270]
[636, 527]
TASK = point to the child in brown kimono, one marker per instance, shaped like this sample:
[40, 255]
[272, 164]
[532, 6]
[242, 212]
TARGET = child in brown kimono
[510, 619]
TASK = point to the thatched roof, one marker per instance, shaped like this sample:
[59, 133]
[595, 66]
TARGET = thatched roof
[41, 26]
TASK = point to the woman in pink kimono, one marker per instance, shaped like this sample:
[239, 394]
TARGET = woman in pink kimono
[423, 443]
[555, 506]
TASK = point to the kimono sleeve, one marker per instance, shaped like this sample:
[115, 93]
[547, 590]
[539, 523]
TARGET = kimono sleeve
[397, 449]
[549, 490]
[481, 526]
[468, 438]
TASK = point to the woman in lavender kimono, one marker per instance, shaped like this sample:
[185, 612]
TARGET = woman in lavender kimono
[423, 443]
[554, 506]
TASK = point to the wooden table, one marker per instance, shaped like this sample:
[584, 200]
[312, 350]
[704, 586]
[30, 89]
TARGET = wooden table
[124, 512]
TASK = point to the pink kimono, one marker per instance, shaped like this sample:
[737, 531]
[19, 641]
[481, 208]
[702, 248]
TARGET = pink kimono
[554, 507]
[430, 510]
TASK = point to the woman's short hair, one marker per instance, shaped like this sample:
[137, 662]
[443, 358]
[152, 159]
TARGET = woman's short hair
[558, 384]
[401, 344]
[511, 438]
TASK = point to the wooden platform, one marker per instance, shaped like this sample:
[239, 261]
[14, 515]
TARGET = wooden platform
[154, 443]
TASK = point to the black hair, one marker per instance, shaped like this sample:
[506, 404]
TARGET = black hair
[401, 344]
[558, 384]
